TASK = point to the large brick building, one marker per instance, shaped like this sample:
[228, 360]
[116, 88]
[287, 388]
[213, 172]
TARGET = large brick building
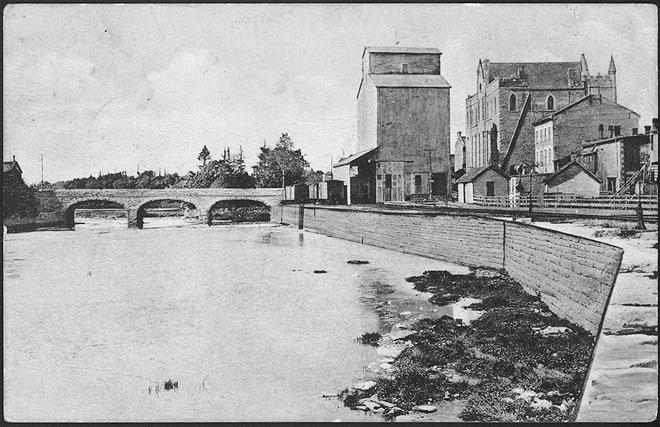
[559, 136]
[403, 141]
[510, 96]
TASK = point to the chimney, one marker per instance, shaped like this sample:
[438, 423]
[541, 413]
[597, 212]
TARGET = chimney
[13, 158]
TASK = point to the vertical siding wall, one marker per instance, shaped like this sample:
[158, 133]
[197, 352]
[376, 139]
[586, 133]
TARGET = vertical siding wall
[573, 275]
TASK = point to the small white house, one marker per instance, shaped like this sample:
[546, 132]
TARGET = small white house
[573, 179]
[483, 181]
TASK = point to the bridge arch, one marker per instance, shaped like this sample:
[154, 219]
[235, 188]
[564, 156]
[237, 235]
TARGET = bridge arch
[241, 210]
[90, 203]
[138, 213]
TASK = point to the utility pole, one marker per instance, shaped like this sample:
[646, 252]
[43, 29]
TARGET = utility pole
[639, 210]
[531, 213]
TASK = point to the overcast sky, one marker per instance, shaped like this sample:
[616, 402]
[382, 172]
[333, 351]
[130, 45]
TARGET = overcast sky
[117, 87]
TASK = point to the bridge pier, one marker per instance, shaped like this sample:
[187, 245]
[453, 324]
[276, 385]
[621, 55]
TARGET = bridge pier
[134, 219]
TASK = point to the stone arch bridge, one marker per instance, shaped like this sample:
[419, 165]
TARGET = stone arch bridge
[203, 199]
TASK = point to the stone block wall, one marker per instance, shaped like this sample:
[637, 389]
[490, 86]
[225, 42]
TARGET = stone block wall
[445, 237]
[573, 275]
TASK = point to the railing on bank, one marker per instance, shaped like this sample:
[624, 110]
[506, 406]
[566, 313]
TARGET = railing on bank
[621, 202]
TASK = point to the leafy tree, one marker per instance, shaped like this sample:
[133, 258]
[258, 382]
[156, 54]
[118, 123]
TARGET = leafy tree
[204, 155]
[227, 172]
[280, 165]
[313, 177]
[17, 198]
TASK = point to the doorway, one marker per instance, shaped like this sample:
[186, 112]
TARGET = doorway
[388, 188]
[439, 184]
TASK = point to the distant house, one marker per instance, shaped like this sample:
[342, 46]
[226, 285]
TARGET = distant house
[573, 179]
[11, 170]
[484, 181]
[616, 159]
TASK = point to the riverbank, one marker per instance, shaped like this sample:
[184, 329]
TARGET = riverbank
[623, 382]
[516, 361]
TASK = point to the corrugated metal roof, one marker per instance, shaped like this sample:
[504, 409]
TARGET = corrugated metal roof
[353, 157]
[400, 49]
[409, 80]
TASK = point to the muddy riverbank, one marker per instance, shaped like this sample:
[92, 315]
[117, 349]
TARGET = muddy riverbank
[498, 353]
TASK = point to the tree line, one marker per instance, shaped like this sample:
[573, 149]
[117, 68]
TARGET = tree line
[277, 166]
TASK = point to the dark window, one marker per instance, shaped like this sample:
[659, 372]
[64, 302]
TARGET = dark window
[610, 129]
[611, 184]
[404, 68]
[490, 188]
[634, 131]
[388, 181]
[512, 102]
[601, 131]
[617, 130]
[551, 103]
[418, 184]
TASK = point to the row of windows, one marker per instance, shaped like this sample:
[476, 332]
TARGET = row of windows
[489, 108]
[544, 159]
[613, 131]
[543, 134]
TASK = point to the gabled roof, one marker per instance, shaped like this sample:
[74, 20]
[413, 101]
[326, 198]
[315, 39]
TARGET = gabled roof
[473, 173]
[569, 165]
[579, 101]
[8, 166]
[354, 157]
[409, 80]
[399, 49]
[539, 74]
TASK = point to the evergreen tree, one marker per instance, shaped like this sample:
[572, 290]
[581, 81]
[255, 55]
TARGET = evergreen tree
[204, 155]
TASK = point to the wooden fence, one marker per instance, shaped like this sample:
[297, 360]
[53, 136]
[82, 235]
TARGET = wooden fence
[619, 202]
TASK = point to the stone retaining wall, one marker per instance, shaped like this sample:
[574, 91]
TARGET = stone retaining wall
[573, 275]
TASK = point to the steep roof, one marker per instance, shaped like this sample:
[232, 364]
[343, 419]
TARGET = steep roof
[565, 169]
[399, 49]
[579, 101]
[354, 157]
[409, 80]
[8, 166]
[472, 174]
[539, 74]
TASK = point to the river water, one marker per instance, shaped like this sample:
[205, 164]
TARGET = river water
[96, 318]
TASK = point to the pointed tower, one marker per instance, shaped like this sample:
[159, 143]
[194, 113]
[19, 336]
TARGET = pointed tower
[612, 73]
[584, 70]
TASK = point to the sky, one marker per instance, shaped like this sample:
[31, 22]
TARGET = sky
[134, 87]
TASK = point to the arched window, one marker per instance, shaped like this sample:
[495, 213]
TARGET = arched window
[601, 131]
[551, 103]
[512, 102]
